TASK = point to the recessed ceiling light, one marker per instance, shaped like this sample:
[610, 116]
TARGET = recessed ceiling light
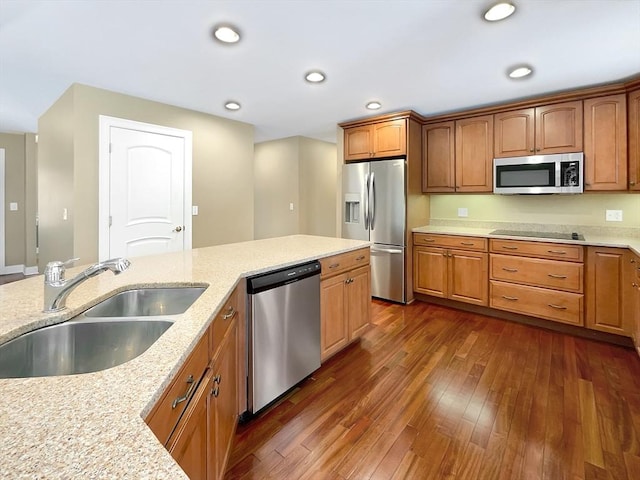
[232, 105]
[315, 76]
[520, 71]
[499, 11]
[374, 105]
[226, 34]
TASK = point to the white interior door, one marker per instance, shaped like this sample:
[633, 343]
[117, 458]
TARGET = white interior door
[146, 193]
[2, 239]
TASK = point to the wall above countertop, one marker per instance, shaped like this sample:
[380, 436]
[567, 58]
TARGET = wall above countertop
[585, 209]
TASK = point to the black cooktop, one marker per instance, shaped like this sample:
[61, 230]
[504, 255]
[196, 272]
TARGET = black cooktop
[554, 235]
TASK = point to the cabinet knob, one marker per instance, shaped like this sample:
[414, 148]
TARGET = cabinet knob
[632, 183]
[531, 150]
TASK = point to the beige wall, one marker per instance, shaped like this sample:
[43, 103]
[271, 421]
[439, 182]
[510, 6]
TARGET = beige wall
[297, 170]
[585, 209]
[222, 169]
[19, 157]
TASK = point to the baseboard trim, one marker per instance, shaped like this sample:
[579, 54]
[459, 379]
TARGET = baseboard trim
[11, 269]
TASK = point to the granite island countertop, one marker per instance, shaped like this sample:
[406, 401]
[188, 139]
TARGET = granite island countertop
[91, 425]
[629, 238]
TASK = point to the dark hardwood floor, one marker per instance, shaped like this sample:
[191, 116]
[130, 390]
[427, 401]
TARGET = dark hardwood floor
[437, 393]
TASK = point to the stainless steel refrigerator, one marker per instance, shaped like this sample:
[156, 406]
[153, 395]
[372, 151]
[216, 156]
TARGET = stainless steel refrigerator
[374, 209]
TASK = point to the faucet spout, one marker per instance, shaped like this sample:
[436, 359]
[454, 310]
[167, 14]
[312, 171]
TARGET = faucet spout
[57, 289]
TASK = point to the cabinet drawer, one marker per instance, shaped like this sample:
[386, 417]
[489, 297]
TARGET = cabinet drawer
[165, 414]
[554, 251]
[538, 302]
[224, 319]
[450, 241]
[541, 273]
[344, 261]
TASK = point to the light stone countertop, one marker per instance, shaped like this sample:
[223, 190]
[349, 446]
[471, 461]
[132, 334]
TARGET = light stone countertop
[91, 425]
[598, 237]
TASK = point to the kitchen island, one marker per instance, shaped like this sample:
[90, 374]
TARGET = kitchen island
[91, 425]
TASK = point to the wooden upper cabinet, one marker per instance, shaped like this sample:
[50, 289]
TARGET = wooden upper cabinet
[514, 133]
[357, 143]
[438, 157]
[559, 128]
[377, 140]
[390, 138]
[546, 129]
[633, 107]
[605, 143]
[474, 154]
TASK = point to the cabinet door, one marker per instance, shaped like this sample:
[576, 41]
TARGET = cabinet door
[390, 138]
[438, 157]
[468, 276]
[223, 405]
[559, 128]
[358, 143]
[189, 443]
[605, 290]
[514, 133]
[634, 140]
[605, 143]
[358, 301]
[430, 271]
[334, 329]
[474, 154]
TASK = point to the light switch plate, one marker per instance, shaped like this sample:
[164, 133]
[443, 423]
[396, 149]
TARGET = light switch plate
[194, 210]
[613, 215]
[13, 206]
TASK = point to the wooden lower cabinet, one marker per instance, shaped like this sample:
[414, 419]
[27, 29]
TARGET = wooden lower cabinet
[632, 283]
[199, 410]
[539, 279]
[188, 445]
[606, 291]
[453, 267]
[345, 306]
[223, 404]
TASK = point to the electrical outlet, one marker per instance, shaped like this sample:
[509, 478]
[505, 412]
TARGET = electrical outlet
[291, 207]
[463, 212]
[613, 215]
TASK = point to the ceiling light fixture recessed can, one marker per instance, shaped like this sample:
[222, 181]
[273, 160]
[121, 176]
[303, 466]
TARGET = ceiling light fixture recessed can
[226, 33]
[232, 105]
[374, 105]
[520, 71]
[499, 11]
[315, 76]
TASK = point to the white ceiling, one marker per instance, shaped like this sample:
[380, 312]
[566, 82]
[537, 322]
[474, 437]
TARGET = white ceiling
[432, 56]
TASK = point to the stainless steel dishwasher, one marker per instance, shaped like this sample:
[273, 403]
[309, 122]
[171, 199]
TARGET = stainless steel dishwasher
[283, 331]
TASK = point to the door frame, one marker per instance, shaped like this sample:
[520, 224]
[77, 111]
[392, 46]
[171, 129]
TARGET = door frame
[104, 185]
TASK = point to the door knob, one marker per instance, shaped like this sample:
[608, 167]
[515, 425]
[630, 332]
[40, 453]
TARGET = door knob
[178, 229]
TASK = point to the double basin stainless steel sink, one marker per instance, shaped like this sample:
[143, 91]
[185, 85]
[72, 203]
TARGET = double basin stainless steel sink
[111, 333]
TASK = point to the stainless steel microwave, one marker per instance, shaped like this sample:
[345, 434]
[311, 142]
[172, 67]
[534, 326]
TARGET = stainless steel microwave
[559, 173]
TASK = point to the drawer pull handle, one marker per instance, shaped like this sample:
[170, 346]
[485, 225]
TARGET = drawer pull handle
[513, 299]
[553, 275]
[335, 265]
[361, 257]
[215, 392]
[512, 270]
[559, 252]
[507, 247]
[232, 313]
[428, 240]
[184, 397]
[557, 307]
[467, 244]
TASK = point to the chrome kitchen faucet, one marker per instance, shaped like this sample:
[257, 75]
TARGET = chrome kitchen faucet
[57, 289]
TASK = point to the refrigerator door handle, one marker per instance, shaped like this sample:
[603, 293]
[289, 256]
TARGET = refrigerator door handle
[366, 201]
[372, 200]
[386, 250]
